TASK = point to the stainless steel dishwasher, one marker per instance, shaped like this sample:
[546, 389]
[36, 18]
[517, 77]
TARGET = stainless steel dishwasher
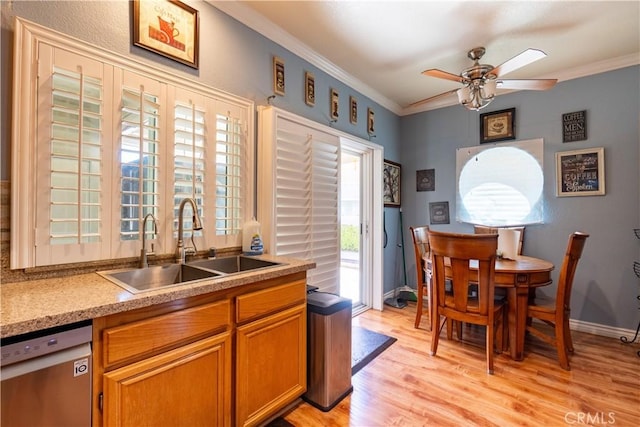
[46, 378]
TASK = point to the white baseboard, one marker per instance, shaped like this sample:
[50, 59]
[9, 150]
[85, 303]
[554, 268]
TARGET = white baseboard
[582, 326]
[602, 330]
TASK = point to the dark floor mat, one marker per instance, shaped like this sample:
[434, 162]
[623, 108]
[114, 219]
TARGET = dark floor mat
[280, 422]
[366, 345]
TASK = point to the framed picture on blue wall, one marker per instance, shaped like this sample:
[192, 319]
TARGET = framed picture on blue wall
[498, 126]
[167, 27]
[391, 175]
[580, 172]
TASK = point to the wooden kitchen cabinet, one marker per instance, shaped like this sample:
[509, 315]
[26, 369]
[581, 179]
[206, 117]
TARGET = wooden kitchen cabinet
[233, 358]
[165, 365]
[271, 353]
[189, 383]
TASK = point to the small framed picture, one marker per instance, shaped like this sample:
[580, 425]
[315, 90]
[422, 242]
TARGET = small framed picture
[574, 126]
[439, 213]
[370, 122]
[309, 89]
[167, 27]
[334, 104]
[278, 76]
[391, 184]
[580, 172]
[497, 126]
[426, 180]
[353, 110]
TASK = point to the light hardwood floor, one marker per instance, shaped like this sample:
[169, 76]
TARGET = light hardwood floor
[404, 386]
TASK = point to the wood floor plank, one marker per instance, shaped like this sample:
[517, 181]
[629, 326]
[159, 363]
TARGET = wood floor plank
[405, 386]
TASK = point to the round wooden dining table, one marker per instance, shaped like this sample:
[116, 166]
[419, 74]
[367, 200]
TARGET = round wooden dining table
[518, 277]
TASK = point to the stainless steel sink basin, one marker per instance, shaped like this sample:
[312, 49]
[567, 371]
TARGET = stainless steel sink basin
[137, 280]
[233, 264]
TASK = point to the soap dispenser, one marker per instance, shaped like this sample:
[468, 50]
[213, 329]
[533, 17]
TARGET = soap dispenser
[252, 238]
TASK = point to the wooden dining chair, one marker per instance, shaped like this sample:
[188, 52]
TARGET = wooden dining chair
[556, 312]
[423, 277]
[483, 229]
[453, 302]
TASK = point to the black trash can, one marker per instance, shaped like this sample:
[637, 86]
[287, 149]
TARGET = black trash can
[328, 350]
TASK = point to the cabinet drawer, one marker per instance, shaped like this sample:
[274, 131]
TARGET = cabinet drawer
[256, 304]
[161, 332]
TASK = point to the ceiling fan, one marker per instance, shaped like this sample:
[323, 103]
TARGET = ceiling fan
[480, 81]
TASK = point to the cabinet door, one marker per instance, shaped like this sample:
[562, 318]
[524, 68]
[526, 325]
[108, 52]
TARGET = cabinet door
[190, 385]
[271, 365]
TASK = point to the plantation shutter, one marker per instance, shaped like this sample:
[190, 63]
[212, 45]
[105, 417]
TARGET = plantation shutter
[70, 162]
[141, 118]
[301, 212]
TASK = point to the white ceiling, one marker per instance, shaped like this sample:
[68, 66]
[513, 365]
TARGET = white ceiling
[380, 48]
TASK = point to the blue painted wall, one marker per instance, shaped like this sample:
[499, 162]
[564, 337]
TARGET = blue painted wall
[233, 58]
[605, 286]
[236, 59]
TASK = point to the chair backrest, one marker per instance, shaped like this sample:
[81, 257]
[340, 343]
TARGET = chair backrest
[568, 269]
[483, 229]
[459, 249]
[420, 247]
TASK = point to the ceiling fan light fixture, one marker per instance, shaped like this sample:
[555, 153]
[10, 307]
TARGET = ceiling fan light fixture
[476, 95]
[489, 88]
[464, 95]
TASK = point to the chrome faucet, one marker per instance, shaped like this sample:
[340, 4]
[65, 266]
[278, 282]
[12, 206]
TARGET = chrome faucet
[143, 252]
[181, 251]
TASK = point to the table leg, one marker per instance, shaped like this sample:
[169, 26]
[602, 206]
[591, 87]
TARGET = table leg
[518, 299]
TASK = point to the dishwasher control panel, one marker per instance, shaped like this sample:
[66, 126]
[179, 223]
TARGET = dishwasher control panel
[38, 344]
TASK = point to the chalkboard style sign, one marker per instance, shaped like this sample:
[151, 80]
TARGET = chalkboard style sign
[426, 180]
[580, 172]
[574, 126]
[439, 212]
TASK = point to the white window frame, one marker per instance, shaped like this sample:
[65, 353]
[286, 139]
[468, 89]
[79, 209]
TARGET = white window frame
[29, 37]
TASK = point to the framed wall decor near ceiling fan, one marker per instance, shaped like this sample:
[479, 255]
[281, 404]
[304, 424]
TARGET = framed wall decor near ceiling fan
[481, 81]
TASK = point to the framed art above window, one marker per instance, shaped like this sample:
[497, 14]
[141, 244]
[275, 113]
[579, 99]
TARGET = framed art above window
[167, 27]
[334, 104]
[497, 126]
[309, 89]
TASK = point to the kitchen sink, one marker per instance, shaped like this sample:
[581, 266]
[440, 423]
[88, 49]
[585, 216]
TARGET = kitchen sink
[137, 280]
[233, 264]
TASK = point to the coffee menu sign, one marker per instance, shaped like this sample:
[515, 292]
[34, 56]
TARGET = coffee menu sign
[574, 126]
[580, 172]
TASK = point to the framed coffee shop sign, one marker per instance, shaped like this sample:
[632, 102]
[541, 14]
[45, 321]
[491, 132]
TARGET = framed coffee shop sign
[580, 172]
[167, 27]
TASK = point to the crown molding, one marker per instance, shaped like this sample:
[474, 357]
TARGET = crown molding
[257, 22]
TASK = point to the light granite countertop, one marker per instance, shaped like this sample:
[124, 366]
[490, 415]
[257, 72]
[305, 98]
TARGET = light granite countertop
[39, 304]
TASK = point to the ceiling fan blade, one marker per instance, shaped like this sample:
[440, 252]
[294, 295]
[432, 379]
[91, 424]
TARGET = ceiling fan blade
[529, 84]
[434, 72]
[433, 98]
[525, 58]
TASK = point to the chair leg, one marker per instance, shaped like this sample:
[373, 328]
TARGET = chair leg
[450, 324]
[499, 332]
[419, 305]
[567, 335]
[490, 333]
[561, 346]
[435, 334]
[427, 286]
[459, 330]
[505, 329]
